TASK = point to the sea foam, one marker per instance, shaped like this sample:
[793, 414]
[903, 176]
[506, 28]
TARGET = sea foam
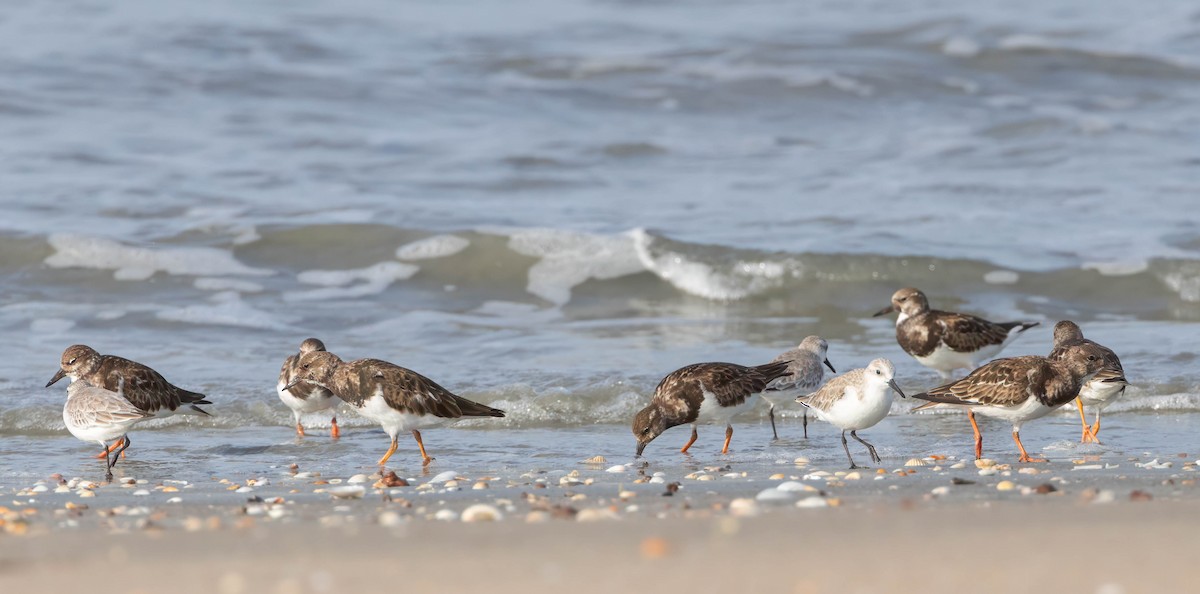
[140, 263]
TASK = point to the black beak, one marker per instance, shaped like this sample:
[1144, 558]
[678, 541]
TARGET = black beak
[61, 374]
[1118, 379]
[641, 446]
[892, 383]
[830, 366]
[887, 310]
[292, 384]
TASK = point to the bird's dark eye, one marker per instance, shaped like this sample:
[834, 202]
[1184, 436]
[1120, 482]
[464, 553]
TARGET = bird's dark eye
[1091, 357]
[305, 366]
[877, 372]
[902, 299]
[71, 362]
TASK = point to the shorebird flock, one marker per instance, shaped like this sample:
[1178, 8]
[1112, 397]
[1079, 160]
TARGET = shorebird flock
[108, 395]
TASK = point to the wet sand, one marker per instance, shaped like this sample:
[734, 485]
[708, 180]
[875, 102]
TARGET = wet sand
[1081, 525]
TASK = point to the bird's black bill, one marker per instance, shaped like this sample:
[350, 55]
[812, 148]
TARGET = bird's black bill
[830, 366]
[61, 374]
[896, 387]
[292, 384]
[887, 310]
[641, 446]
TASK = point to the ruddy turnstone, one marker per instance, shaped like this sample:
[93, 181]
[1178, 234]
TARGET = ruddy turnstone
[399, 399]
[855, 400]
[142, 386]
[1019, 389]
[804, 374]
[944, 340]
[100, 415]
[306, 398]
[703, 392]
[1101, 390]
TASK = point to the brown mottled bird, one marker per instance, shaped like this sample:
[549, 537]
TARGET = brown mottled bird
[142, 386]
[306, 398]
[1019, 389]
[945, 340]
[399, 399]
[703, 392]
[1101, 390]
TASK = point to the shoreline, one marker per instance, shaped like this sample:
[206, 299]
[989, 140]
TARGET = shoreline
[1051, 545]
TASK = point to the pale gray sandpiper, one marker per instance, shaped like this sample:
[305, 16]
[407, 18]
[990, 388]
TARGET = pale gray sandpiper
[1019, 389]
[1101, 390]
[399, 399]
[804, 374]
[945, 341]
[703, 393]
[142, 386]
[98, 415]
[306, 398]
[856, 400]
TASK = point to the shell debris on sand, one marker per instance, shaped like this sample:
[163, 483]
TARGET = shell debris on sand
[481, 512]
[347, 492]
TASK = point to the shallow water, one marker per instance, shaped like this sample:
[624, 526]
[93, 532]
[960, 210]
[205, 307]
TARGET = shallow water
[549, 207]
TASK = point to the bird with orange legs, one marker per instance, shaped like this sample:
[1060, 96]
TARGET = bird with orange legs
[703, 393]
[138, 384]
[306, 398]
[1108, 385]
[1019, 389]
[399, 399]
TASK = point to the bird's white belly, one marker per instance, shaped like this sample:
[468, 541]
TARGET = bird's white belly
[317, 402]
[96, 433]
[1100, 394]
[1026, 411]
[945, 359]
[394, 421]
[852, 413]
[712, 412]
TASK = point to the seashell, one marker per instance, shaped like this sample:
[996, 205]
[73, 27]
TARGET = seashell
[706, 477]
[987, 471]
[141, 493]
[985, 463]
[449, 515]
[356, 479]
[852, 476]
[444, 476]
[794, 487]
[743, 507]
[940, 491]
[480, 485]
[481, 512]
[347, 492]
[596, 514]
[595, 460]
[812, 502]
[778, 476]
[1005, 486]
[617, 468]
[915, 462]
[774, 495]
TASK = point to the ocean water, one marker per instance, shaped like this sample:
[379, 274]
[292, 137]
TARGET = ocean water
[548, 206]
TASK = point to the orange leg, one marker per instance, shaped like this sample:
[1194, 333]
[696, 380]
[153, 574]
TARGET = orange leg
[424, 457]
[299, 429]
[1088, 436]
[1024, 455]
[728, 436]
[335, 432]
[690, 442]
[978, 435]
[1096, 428]
[391, 450]
[116, 444]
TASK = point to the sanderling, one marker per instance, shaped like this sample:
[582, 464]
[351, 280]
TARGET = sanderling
[804, 374]
[856, 400]
[99, 415]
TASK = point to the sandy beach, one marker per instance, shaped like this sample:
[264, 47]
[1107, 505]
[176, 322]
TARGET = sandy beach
[932, 524]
